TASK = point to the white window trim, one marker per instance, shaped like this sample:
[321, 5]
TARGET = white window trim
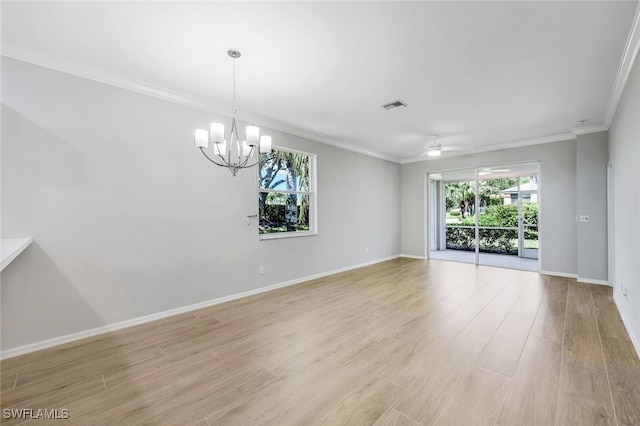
[313, 199]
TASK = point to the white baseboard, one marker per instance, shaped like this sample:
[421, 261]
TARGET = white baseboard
[33, 347]
[627, 325]
[590, 281]
[410, 256]
[579, 279]
[559, 274]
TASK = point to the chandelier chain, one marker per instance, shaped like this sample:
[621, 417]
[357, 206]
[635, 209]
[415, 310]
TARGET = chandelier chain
[234, 108]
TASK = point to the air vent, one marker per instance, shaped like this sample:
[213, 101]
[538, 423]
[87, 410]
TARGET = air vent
[394, 105]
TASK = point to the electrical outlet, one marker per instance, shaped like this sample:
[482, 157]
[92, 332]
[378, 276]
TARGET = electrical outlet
[262, 270]
[583, 218]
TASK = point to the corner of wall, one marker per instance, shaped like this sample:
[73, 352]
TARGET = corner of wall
[634, 339]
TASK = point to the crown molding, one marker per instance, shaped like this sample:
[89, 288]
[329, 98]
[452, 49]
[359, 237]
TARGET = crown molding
[628, 58]
[57, 63]
[318, 138]
[496, 147]
[584, 130]
[527, 142]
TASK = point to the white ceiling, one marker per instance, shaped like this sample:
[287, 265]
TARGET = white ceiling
[480, 74]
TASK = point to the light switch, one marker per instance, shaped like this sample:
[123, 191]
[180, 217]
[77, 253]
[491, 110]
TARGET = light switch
[584, 218]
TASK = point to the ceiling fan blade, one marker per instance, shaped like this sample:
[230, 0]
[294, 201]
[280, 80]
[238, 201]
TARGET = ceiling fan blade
[424, 154]
[457, 148]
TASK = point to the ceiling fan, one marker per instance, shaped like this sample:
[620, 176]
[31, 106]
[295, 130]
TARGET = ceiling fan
[434, 148]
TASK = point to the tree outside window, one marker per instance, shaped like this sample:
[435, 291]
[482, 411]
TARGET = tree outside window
[285, 198]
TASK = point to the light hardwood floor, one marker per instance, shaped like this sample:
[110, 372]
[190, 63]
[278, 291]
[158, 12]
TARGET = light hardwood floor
[404, 342]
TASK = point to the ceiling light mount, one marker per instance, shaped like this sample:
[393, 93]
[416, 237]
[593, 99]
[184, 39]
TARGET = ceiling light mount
[232, 153]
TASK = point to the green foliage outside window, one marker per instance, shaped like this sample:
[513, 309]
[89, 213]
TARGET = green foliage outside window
[504, 215]
[284, 197]
[460, 237]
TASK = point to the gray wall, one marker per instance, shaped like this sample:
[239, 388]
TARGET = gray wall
[557, 203]
[625, 156]
[129, 219]
[591, 200]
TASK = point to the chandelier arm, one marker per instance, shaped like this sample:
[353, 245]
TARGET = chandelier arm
[236, 166]
[250, 165]
[234, 131]
[244, 162]
[214, 161]
[219, 154]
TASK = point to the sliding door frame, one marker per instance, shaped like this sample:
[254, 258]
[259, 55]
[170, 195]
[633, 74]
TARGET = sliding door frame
[435, 212]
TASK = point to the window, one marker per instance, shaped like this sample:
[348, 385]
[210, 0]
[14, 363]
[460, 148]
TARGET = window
[286, 196]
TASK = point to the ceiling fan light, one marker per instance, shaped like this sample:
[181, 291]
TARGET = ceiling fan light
[434, 152]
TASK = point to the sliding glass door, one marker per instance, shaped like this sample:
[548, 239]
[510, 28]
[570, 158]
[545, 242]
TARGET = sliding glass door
[486, 215]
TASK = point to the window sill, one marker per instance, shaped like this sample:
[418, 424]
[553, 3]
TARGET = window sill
[281, 235]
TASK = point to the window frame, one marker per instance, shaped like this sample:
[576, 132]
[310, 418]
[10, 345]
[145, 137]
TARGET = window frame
[312, 193]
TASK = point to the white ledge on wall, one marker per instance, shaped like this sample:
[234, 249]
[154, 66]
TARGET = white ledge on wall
[281, 235]
[11, 248]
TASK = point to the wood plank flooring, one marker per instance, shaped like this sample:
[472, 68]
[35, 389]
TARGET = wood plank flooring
[404, 342]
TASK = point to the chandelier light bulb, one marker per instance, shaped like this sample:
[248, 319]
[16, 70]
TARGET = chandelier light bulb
[201, 138]
[216, 131]
[253, 135]
[265, 144]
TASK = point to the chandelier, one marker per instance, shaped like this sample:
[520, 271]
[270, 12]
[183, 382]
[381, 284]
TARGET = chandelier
[232, 153]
